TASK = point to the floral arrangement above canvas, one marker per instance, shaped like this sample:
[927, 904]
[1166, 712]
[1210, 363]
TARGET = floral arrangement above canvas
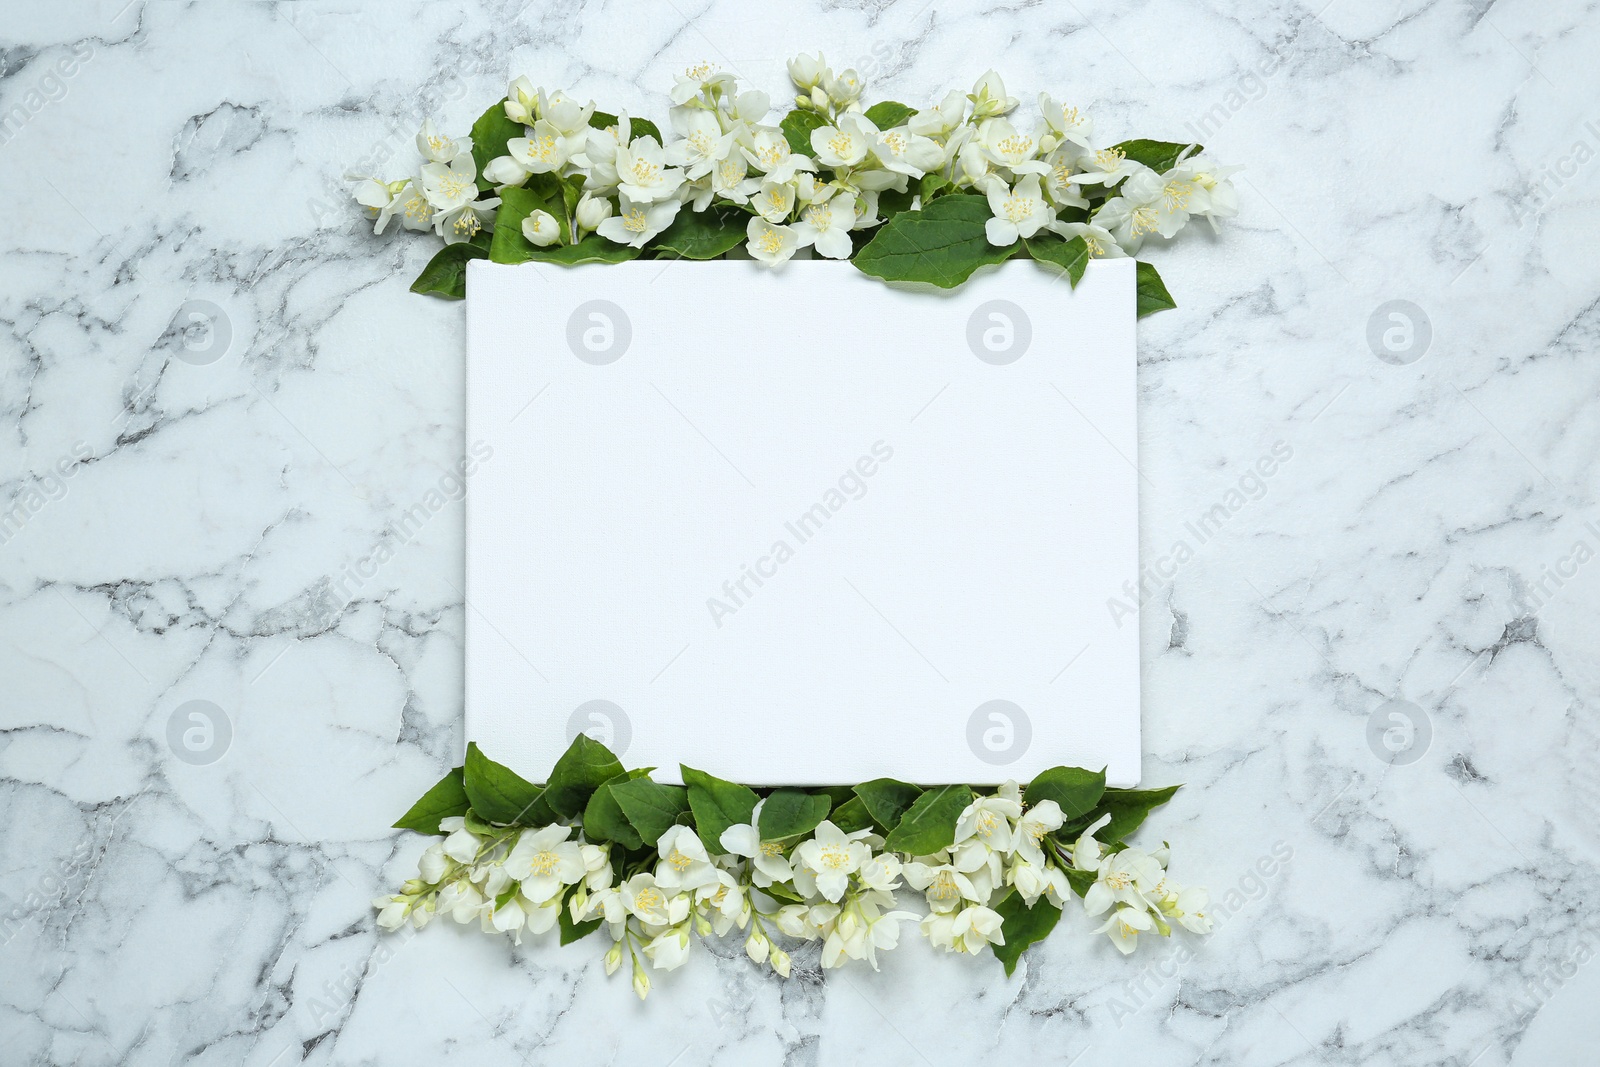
[651, 860]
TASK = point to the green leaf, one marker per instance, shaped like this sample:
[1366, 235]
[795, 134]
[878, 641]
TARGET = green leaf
[891, 203]
[1076, 790]
[930, 823]
[1159, 156]
[932, 186]
[582, 768]
[702, 234]
[604, 819]
[851, 816]
[600, 120]
[887, 114]
[797, 126]
[446, 273]
[500, 795]
[717, 804]
[942, 244]
[489, 136]
[516, 204]
[1022, 926]
[592, 249]
[1153, 295]
[1080, 881]
[571, 931]
[789, 813]
[887, 800]
[836, 794]
[446, 800]
[651, 807]
[1071, 256]
[1128, 808]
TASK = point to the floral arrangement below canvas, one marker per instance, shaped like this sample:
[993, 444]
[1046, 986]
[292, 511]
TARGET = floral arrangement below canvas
[927, 195]
[601, 847]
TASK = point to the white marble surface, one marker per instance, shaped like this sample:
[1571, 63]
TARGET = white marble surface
[1436, 911]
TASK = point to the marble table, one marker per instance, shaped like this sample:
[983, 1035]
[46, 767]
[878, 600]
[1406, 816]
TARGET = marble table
[1374, 668]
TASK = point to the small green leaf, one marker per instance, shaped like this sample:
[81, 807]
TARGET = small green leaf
[1071, 256]
[887, 114]
[651, 807]
[604, 819]
[571, 931]
[851, 816]
[789, 813]
[489, 136]
[1128, 808]
[600, 120]
[500, 795]
[582, 768]
[941, 244]
[1159, 156]
[446, 800]
[1076, 790]
[933, 186]
[836, 794]
[887, 800]
[797, 126]
[717, 804]
[1153, 295]
[701, 234]
[930, 824]
[1022, 926]
[446, 273]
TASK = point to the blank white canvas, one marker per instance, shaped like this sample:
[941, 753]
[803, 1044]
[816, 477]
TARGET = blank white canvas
[800, 527]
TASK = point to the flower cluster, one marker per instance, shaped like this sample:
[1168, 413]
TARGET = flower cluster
[823, 177]
[1000, 858]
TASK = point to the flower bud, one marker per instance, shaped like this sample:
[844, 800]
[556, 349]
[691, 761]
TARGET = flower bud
[641, 980]
[591, 212]
[780, 961]
[613, 958]
[819, 99]
[756, 945]
[541, 229]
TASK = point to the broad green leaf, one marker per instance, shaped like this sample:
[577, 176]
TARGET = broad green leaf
[1076, 790]
[1153, 295]
[500, 795]
[604, 819]
[887, 799]
[592, 249]
[446, 800]
[702, 234]
[1128, 808]
[836, 794]
[717, 804]
[930, 823]
[797, 126]
[789, 812]
[1022, 926]
[516, 204]
[446, 273]
[489, 136]
[582, 768]
[1071, 256]
[887, 114]
[1159, 156]
[571, 931]
[851, 816]
[637, 127]
[651, 807]
[941, 244]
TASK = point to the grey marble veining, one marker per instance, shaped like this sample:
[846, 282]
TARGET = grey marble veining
[187, 513]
